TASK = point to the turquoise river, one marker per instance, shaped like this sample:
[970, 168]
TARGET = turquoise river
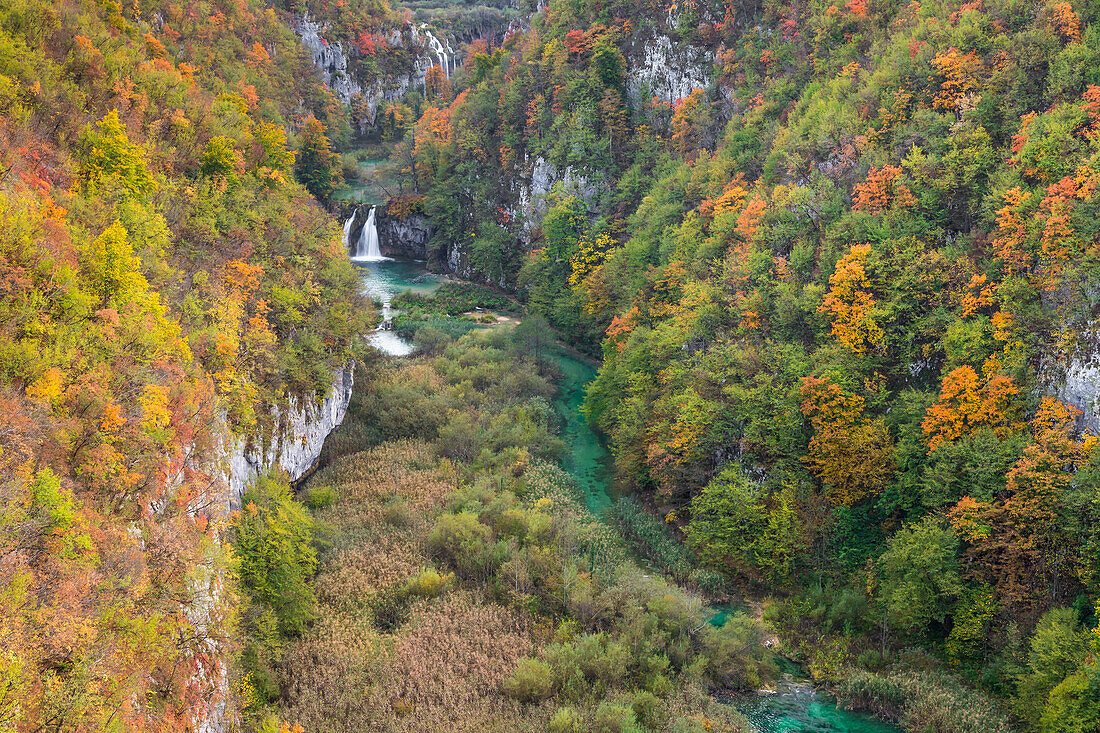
[795, 706]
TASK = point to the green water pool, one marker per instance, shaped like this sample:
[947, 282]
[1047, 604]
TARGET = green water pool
[385, 279]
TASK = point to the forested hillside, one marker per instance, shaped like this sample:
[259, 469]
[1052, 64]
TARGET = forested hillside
[840, 289]
[164, 282]
[840, 263]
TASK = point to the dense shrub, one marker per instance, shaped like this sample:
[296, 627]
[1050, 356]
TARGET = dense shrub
[462, 540]
[735, 653]
[443, 328]
[429, 583]
[319, 497]
[922, 700]
[531, 681]
[564, 720]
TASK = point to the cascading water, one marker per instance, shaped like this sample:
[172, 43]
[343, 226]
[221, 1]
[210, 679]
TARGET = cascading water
[367, 250]
[347, 227]
[379, 281]
[441, 51]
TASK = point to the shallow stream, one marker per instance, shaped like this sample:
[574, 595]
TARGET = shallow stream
[796, 707]
[385, 279]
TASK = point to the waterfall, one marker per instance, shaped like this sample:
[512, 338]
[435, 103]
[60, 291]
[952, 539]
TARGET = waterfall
[440, 51]
[367, 249]
[347, 228]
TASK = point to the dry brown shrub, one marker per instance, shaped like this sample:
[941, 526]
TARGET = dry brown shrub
[450, 659]
[457, 649]
[442, 670]
[368, 553]
[328, 675]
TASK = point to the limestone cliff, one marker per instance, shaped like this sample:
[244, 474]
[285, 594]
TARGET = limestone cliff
[301, 429]
[330, 58]
[407, 238]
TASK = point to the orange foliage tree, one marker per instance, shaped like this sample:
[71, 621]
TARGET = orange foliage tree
[959, 77]
[1023, 543]
[432, 140]
[685, 124]
[1060, 243]
[851, 453]
[851, 305]
[968, 402]
[1065, 22]
[437, 87]
[1009, 240]
[881, 191]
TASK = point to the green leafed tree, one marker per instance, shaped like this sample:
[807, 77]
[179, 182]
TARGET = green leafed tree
[733, 527]
[110, 160]
[318, 167]
[919, 575]
[274, 535]
[1057, 648]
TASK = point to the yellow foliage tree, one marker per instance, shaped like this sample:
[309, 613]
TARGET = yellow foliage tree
[851, 305]
[851, 453]
[113, 270]
[110, 160]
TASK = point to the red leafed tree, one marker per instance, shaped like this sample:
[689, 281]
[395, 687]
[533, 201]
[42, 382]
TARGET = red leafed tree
[369, 43]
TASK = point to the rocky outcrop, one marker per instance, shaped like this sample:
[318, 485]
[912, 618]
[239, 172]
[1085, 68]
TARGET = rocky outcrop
[405, 238]
[1076, 380]
[659, 68]
[1081, 388]
[329, 57]
[214, 711]
[457, 262]
[332, 60]
[302, 427]
[544, 177]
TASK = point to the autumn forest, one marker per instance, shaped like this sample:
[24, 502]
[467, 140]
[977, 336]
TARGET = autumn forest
[751, 382]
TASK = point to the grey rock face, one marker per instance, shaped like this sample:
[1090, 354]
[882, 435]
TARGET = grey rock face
[661, 70]
[407, 238]
[1078, 383]
[298, 441]
[332, 60]
[329, 58]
